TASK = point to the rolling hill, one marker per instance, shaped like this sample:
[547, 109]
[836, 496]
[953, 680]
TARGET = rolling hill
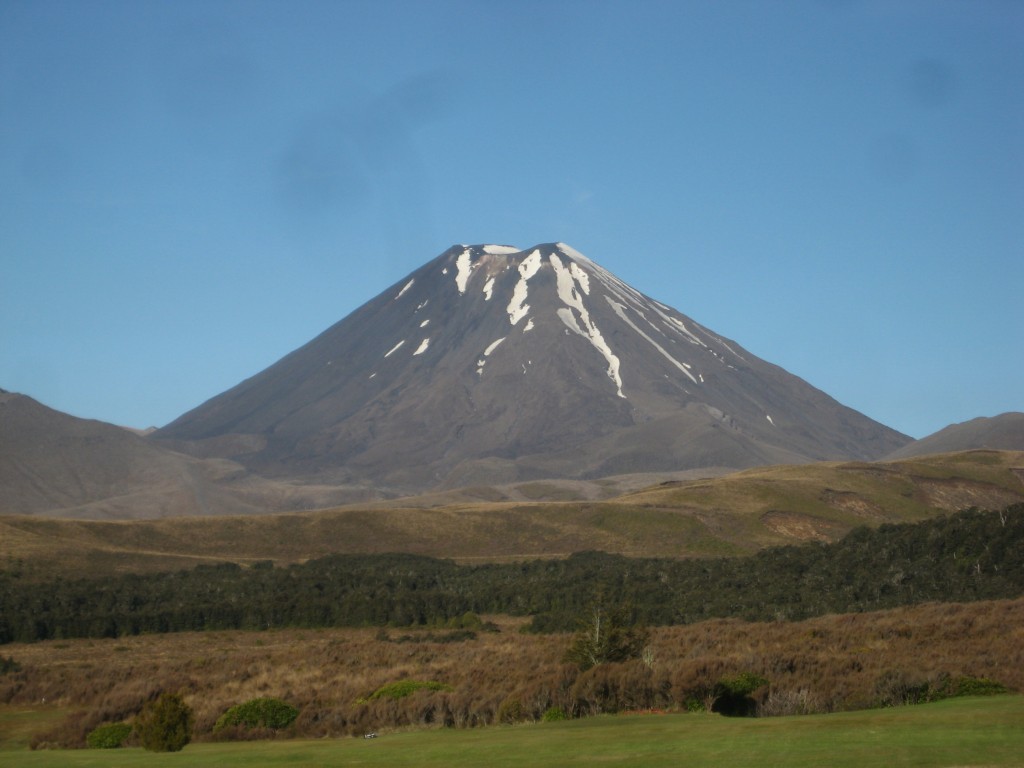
[733, 514]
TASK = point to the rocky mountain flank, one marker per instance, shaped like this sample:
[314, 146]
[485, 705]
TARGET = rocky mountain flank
[491, 364]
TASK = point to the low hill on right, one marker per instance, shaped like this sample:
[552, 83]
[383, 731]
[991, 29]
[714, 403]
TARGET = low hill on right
[1004, 432]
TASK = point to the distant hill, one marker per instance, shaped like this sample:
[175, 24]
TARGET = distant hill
[493, 365]
[55, 464]
[1003, 432]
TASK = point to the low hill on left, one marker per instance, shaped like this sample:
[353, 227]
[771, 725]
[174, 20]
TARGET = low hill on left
[58, 465]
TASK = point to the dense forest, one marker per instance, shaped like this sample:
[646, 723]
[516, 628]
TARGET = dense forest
[972, 555]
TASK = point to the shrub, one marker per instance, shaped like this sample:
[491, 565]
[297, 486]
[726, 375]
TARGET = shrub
[734, 695]
[510, 710]
[8, 664]
[258, 713]
[165, 724]
[897, 688]
[780, 703]
[975, 686]
[554, 714]
[402, 688]
[894, 688]
[109, 736]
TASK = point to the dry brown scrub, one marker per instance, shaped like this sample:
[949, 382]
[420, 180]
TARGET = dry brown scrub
[824, 664]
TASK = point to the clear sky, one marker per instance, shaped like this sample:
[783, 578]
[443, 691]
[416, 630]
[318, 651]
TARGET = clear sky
[190, 190]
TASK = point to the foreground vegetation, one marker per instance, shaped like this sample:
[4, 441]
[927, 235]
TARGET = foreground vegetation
[346, 682]
[957, 732]
[973, 555]
[432, 643]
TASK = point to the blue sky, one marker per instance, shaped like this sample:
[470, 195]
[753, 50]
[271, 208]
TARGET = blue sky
[191, 190]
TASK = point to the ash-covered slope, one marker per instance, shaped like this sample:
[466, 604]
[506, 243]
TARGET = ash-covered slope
[494, 364]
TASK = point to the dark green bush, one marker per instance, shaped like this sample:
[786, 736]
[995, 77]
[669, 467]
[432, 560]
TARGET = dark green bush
[109, 736]
[8, 664]
[165, 724]
[258, 713]
[734, 695]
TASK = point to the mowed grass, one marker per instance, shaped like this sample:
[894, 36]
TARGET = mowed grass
[956, 732]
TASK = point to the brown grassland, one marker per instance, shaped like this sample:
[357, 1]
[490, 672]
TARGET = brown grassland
[825, 664]
[730, 515]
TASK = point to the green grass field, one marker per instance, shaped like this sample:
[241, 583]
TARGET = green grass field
[956, 732]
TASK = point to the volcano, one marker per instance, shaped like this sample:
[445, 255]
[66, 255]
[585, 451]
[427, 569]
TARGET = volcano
[492, 364]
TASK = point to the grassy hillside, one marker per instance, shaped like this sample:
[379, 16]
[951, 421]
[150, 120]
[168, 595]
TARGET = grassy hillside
[734, 514]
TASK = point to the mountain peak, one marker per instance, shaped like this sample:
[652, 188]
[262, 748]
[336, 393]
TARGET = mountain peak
[491, 361]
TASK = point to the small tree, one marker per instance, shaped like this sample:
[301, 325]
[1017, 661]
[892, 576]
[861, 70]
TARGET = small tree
[165, 724]
[604, 636]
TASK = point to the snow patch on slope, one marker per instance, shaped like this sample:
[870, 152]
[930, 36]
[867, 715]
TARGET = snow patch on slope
[517, 306]
[406, 288]
[566, 285]
[581, 277]
[629, 297]
[487, 353]
[464, 265]
[394, 349]
[620, 310]
[422, 347]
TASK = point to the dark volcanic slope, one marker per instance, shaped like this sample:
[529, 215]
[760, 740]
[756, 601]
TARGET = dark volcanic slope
[1004, 432]
[491, 364]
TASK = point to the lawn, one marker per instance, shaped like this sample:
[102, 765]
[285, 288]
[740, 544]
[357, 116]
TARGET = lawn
[957, 732]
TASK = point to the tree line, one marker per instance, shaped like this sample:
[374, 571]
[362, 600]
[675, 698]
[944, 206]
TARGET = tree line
[972, 555]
